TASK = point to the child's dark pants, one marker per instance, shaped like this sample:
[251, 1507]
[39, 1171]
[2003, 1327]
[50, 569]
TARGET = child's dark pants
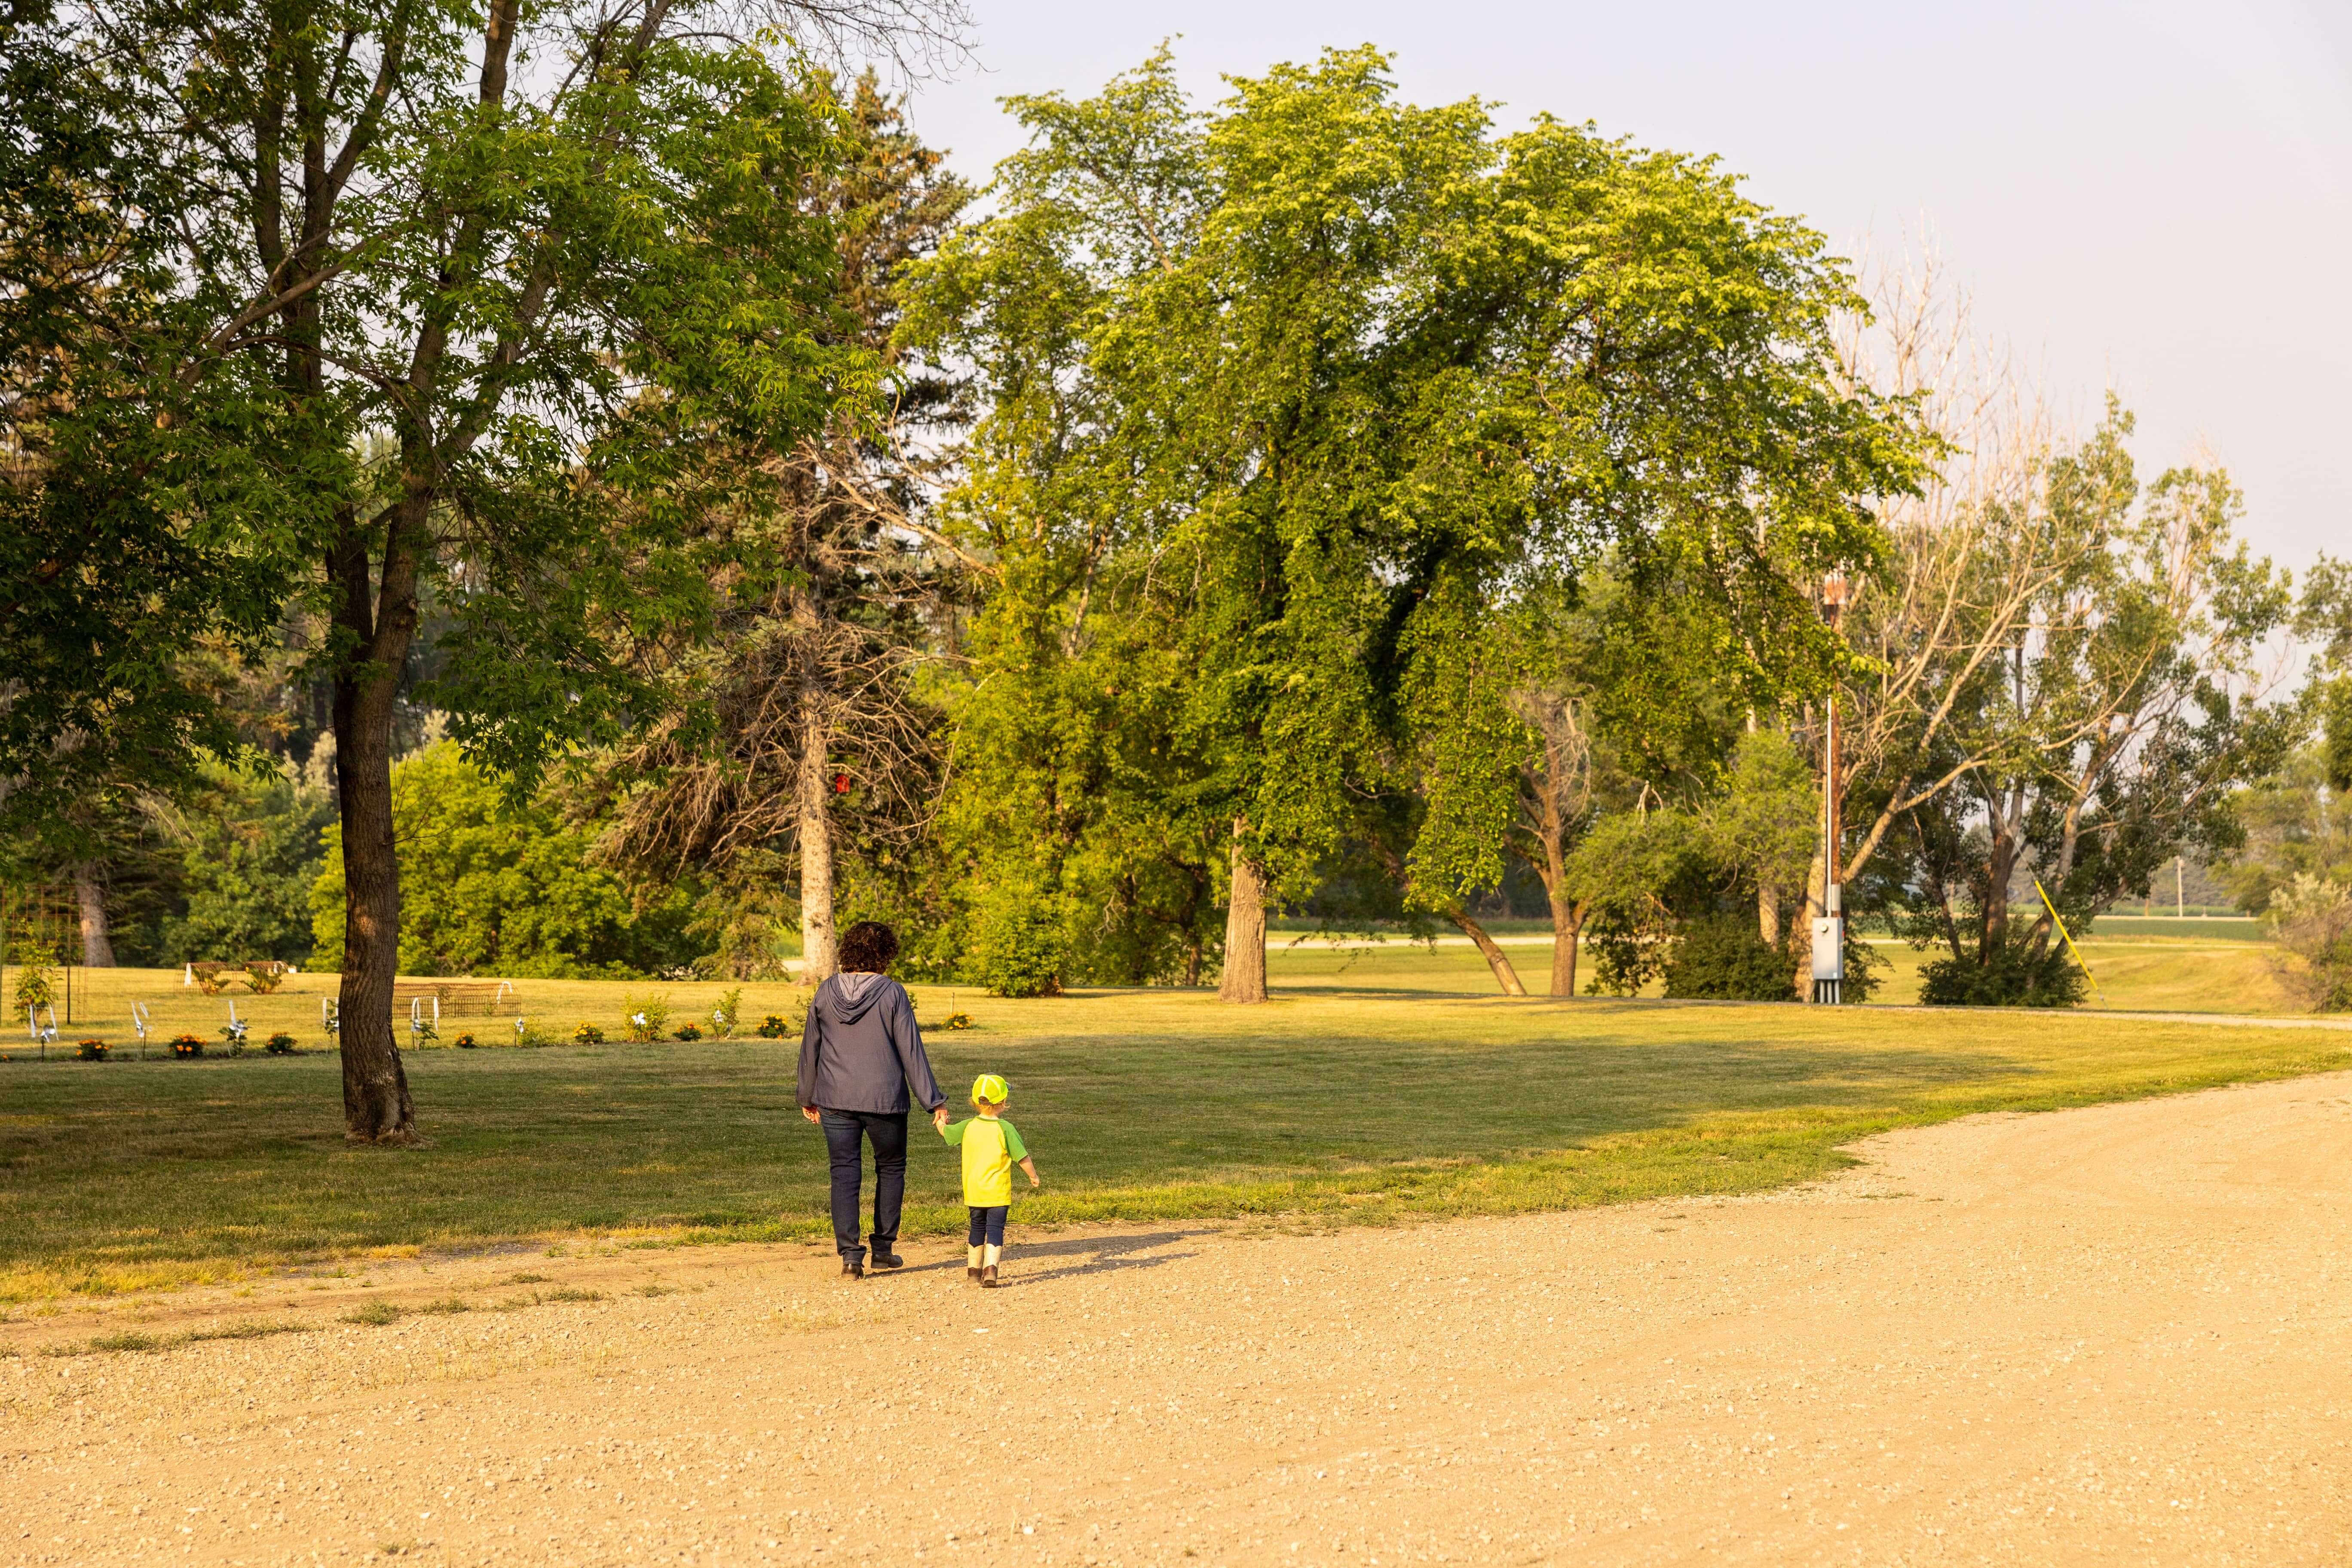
[988, 1226]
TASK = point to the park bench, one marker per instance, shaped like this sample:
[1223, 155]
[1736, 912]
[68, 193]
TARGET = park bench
[459, 998]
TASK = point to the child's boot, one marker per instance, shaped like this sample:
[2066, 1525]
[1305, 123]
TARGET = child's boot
[972, 1264]
[988, 1278]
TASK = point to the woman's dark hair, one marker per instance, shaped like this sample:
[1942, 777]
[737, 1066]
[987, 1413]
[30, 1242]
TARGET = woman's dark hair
[868, 946]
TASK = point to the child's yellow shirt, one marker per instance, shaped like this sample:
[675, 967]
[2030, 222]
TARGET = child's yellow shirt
[991, 1149]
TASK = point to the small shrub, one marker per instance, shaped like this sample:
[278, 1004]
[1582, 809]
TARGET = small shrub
[644, 1017]
[281, 1044]
[36, 986]
[687, 1032]
[1019, 947]
[465, 1041]
[264, 977]
[91, 1051]
[2313, 919]
[2012, 977]
[729, 1013]
[1724, 958]
[955, 1021]
[587, 1035]
[188, 1045]
[771, 1028]
[376, 1312]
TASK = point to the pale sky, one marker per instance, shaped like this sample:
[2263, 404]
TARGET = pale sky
[2152, 196]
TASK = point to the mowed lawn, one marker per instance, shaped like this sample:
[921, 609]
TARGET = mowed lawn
[1374, 1087]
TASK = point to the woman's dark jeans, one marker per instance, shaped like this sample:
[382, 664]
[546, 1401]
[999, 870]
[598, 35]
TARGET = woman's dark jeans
[887, 1133]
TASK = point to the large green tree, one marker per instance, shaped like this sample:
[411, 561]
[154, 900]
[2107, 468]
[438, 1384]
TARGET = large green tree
[1312, 391]
[377, 281]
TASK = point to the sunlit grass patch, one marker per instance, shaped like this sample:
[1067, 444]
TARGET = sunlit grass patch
[1372, 1090]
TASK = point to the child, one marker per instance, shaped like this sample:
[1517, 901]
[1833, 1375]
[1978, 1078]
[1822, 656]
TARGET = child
[989, 1148]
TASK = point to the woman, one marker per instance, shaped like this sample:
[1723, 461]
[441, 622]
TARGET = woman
[860, 1051]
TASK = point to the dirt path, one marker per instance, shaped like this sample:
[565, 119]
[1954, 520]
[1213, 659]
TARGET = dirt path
[2118, 1334]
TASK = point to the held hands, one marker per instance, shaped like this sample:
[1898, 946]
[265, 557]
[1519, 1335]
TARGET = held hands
[939, 1117]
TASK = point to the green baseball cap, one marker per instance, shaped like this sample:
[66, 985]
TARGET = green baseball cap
[990, 1087]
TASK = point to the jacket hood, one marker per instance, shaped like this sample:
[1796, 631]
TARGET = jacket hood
[854, 994]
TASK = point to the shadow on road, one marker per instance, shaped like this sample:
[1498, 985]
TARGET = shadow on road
[1089, 1255]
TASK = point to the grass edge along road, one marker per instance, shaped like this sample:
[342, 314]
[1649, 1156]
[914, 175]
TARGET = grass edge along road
[1331, 1105]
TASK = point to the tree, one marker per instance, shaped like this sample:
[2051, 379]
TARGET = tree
[800, 730]
[2109, 734]
[249, 850]
[1313, 387]
[493, 886]
[397, 270]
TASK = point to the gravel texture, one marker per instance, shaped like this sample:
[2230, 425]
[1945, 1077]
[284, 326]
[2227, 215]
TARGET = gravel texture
[2122, 1333]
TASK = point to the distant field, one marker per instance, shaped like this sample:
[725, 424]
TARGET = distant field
[1376, 1087]
[2164, 972]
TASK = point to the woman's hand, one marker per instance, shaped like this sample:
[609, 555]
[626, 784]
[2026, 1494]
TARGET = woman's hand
[809, 1111]
[940, 1117]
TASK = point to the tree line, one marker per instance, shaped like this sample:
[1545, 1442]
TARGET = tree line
[1307, 504]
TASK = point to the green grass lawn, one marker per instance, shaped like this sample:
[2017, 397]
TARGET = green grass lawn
[1373, 1087]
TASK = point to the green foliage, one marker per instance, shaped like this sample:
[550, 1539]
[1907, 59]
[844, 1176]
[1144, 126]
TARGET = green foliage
[250, 849]
[493, 887]
[35, 986]
[727, 1016]
[2313, 919]
[1291, 406]
[687, 1032]
[2011, 977]
[282, 1045]
[1722, 957]
[1018, 947]
[644, 1018]
[771, 1028]
[587, 1033]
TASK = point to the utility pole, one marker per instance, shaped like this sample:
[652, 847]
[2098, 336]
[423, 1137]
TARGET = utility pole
[1829, 931]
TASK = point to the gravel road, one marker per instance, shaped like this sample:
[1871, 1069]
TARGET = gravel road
[2122, 1334]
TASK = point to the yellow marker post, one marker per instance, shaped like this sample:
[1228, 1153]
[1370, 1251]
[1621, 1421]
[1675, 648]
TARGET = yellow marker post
[2069, 941]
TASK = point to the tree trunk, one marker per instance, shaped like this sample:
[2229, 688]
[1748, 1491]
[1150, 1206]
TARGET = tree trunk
[1767, 914]
[1244, 976]
[97, 945]
[1801, 935]
[820, 944]
[1567, 925]
[376, 1106]
[1505, 975]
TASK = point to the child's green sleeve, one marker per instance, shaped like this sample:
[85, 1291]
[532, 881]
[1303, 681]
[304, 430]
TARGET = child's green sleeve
[1014, 1150]
[953, 1131]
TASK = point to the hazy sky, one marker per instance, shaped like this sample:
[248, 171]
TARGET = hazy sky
[2152, 196]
